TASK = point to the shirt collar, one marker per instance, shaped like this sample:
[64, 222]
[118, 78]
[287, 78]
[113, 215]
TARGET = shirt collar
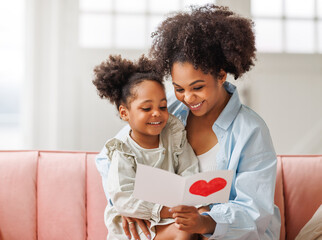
[230, 111]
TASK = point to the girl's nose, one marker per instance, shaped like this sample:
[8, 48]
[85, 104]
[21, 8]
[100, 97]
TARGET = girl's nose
[156, 113]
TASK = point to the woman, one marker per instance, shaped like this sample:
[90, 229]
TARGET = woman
[199, 49]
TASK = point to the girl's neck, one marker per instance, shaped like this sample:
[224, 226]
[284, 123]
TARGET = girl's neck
[146, 141]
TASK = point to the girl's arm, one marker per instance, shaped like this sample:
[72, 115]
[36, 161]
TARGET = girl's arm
[120, 186]
[103, 162]
[143, 224]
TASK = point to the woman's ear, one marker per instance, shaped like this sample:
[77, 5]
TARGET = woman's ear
[124, 113]
[222, 76]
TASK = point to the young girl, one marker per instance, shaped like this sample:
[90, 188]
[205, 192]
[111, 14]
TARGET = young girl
[155, 138]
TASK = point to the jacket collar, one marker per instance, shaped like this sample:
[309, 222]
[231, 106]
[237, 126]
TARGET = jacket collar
[231, 110]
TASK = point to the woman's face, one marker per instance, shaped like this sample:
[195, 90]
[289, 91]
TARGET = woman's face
[202, 93]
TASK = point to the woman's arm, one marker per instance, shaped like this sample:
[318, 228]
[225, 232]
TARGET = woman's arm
[189, 219]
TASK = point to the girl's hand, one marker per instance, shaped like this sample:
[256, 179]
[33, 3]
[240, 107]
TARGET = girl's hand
[130, 227]
[187, 218]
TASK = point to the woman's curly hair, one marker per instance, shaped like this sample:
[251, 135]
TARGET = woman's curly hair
[209, 37]
[116, 77]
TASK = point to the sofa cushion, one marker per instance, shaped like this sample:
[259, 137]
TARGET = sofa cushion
[61, 196]
[302, 190]
[18, 174]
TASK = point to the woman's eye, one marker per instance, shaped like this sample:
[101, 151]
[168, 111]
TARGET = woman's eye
[179, 90]
[146, 109]
[198, 88]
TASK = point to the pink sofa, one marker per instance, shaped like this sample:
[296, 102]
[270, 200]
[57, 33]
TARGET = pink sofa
[58, 195]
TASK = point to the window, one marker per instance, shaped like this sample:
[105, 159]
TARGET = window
[291, 26]
[12, 46]
[124, 24]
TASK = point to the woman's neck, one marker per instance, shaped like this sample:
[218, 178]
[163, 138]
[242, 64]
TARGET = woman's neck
[146, 141]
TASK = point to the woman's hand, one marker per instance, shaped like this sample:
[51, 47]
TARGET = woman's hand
[129, 227]
[187, 218]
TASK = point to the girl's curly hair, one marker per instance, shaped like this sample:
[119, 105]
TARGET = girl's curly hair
[116, 77]
[209, 37]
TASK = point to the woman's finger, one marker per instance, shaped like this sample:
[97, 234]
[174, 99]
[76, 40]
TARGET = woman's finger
[125, 226]
[144, 228]
[183, 209]
[132, 227]
[182, 221]
[182, 215]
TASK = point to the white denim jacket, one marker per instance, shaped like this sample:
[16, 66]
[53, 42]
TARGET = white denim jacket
[174, 154]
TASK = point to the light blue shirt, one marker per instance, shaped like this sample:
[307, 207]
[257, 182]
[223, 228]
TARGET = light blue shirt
[247, 149]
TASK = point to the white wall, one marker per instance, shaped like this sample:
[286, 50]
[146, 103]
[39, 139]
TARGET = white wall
[66, 113]
[286, 90]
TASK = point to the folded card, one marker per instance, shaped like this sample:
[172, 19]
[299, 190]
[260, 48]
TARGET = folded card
[168, 189]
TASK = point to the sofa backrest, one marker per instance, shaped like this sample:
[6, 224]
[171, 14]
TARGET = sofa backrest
[50, 195]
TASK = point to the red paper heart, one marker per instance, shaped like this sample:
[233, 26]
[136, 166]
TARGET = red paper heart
[204, 188]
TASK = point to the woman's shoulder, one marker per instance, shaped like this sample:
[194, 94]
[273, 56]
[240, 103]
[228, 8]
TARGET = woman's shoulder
[251, 131]
[249, 119]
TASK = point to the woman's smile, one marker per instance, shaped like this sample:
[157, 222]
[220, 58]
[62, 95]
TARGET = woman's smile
[195, 107]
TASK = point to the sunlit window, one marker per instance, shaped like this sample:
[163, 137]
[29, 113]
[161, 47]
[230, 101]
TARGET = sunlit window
[291, 26]
[124, 24]
[12, 62]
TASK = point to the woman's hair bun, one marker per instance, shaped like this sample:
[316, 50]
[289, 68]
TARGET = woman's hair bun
[210, 37]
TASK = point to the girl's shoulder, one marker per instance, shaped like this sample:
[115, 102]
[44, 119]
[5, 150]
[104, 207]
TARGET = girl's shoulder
[119, 145]
[174, 133]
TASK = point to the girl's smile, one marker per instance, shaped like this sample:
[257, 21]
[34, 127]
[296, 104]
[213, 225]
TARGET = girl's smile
[147, 113]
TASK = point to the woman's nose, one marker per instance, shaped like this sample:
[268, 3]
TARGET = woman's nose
[189, 97]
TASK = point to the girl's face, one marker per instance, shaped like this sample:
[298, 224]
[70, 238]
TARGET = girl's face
[202, 93]
[147, 113]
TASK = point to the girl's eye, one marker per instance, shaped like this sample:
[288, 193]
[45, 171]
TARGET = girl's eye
[163, 108]
[146, 109]
[198, 88]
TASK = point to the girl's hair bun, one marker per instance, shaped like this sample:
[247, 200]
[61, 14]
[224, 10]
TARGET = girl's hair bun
[115, 77]
[111, 76]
